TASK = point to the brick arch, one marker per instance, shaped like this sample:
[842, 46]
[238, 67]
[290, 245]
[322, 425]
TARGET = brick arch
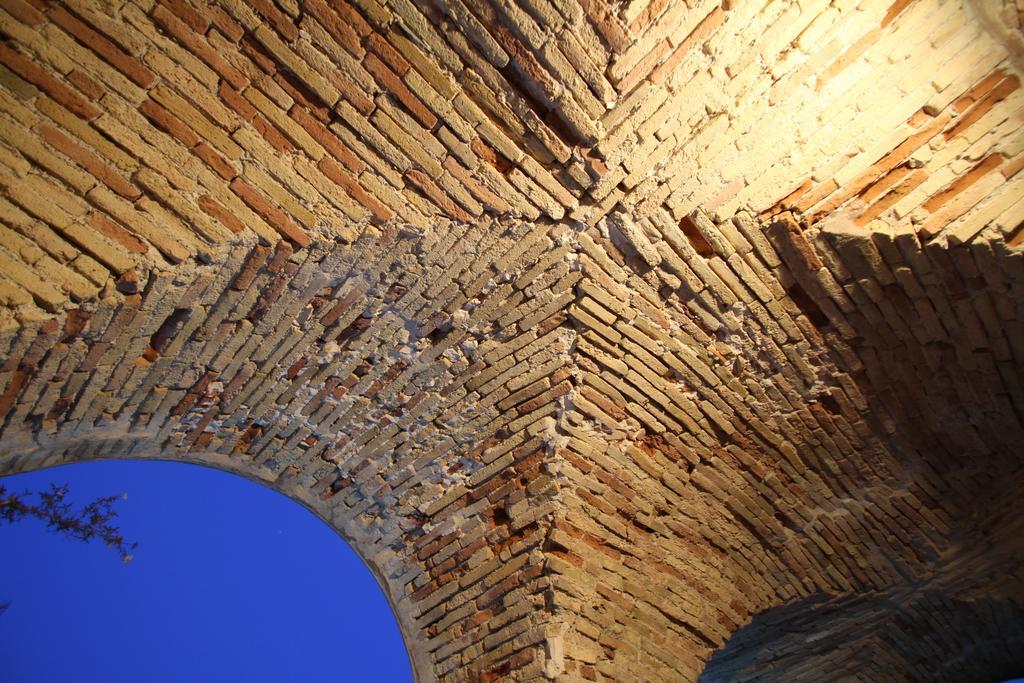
[318, 373]
[502, 476]
[587, 316]
[92, 447]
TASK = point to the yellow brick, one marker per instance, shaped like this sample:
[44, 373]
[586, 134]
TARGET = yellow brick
[65, 53]
[169, 243]
[49, 52]
[11, 294]
[29, 144]
[161, 152]
[44, 200]
[329, 190]
[37, 231]
[157, 186]
[285, 124]
[412, 147]
[278, 194]
[373, 136]
[164, 52]
[198, 122]
[42, 291]
[266, 36]
[102, 249]
[24, 117]
[87, 134]
[24, 249]
[427, 68]
[91, 269]
[11, 160]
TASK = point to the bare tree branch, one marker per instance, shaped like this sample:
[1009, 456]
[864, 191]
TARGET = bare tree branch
[94, 520]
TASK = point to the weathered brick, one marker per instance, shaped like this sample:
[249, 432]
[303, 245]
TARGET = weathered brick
[46, 82]
[99, 44]
[274, 216]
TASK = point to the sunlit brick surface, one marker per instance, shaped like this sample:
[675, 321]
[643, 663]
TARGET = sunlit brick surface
[624, 342]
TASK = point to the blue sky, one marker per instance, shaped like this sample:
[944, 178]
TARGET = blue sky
[230, 582]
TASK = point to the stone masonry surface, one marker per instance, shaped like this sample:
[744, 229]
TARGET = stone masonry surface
[641, 341]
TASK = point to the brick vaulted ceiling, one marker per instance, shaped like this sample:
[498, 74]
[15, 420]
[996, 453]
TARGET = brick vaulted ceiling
[627, 342]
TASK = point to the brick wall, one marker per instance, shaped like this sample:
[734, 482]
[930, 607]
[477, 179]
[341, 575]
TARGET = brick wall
[609, 336]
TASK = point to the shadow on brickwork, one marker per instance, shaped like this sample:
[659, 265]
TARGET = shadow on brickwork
[917, 635]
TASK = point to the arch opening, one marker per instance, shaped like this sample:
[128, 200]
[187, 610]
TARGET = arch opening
[227, 575]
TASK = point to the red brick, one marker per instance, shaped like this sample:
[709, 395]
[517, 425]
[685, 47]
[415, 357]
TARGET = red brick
[277, 218]
[96, 166]
[250, 269]
[281, 22]
[649, 14]
[1016, 239]
[920, 118]
[85, 83]
[389, 80]
[436, 195]
[816, 195]
[46, 82]
[169, 123]
[851, 55]
[102, 46]
[352, 17]
[272, 135]
[104, 225]
[359, 99]
[643, 67]
[188, 14]
[484, 195]
[303, 98]
[547, 397]
[252, 49]
[612, 30]
[602, 402]
[214, 160]
[983, 87]
[525, 60]
[1013, 167]
[595, 165]
[10, 395]
[607, 24]
[984, 105]
[331, 169]
[787, 227]
[383, 49]
[197, 45]
[344, 303]
[214, 208]
[334, 146]
[491, 156]
[697, 36]
[23, 12]
[282, 252]
[228, 27]
[96, 353]
[234, 99]
[891, 198]
[983, 168]
[797, 192]
[894, 11]
[884, 165]
[340, 29]
[890, 179]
